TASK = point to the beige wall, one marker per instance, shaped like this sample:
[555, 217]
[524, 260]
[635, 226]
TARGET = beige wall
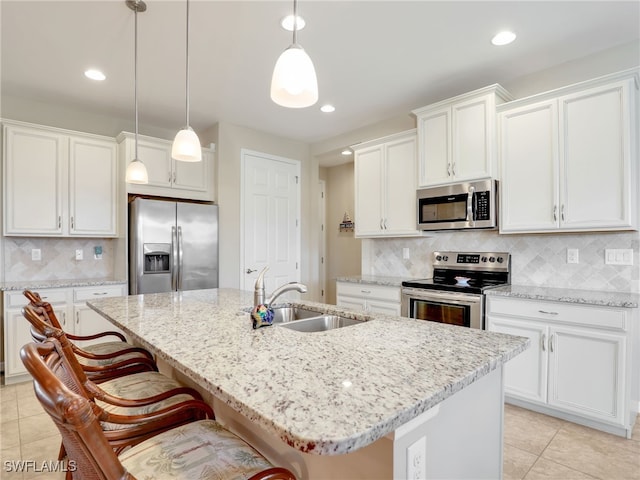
[343, 249]
[230, 140]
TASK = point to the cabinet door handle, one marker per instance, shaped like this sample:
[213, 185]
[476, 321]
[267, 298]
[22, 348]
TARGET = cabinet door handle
[72, 224]
[551, 343]
[385, 224]
[453, 169]
[169, 177]
[59, 221]
[562, 212]
[548, 313]
[381, 225]
[543, 342]
[448, 169]
[555, 213]
[77, 318]
[175, 176]
[64, 318]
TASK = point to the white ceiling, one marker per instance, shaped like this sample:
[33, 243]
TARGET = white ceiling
[374, 59]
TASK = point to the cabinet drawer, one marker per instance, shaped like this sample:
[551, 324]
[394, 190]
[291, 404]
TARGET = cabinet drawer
[589, 315]
[367, 290]
[53, 296]
[93, 293]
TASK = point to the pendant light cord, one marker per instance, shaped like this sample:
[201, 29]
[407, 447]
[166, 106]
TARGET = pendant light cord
[187, 68]
[135, 76]
[295, 22]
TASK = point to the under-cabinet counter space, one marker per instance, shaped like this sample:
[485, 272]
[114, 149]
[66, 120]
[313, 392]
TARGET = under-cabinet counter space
[568, 295]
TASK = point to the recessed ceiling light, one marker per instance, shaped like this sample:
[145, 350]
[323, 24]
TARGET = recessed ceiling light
[95, 75]
[287, 23]
[503, 38]
[346, 152]
[327, 108]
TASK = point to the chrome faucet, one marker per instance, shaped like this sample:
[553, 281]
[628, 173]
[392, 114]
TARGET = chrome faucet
[259, 296]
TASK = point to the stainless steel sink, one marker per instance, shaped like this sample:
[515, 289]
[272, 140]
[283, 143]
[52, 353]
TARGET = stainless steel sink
[321, 324]
[290, 314]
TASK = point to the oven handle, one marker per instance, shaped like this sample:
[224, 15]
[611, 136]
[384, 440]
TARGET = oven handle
[455, 298]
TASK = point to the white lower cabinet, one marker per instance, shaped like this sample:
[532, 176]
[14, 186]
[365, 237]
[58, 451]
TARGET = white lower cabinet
[70, 309]
[580, 364]
[368, 297]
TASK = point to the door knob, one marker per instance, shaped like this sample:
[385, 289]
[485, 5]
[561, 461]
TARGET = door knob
[250, 271]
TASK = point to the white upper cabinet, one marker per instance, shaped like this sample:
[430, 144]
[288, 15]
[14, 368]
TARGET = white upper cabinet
[58, 183]
[385, 186]
[168, 177]
[457, 137]
[568, 158]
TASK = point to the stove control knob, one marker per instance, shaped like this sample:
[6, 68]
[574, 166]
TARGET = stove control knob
[500, 259]
[484, 259]
[445, 258]
[438, 257]
[492, 259]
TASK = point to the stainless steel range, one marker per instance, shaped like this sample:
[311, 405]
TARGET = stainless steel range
[455, 294]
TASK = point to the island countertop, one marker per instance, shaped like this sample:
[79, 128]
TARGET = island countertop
[327, 392]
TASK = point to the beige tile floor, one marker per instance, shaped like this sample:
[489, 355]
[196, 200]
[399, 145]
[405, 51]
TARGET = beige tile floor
[536, 447]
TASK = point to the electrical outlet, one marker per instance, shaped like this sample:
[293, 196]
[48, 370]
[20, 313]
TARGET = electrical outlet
[97, 252]
[417, 460]
[572, 255]
[36, 254]
[405, 253]
[79, 254]
[618, 256]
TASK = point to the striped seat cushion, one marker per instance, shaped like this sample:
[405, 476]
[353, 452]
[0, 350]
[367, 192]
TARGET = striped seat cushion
[136, 386]
[198, 450]
[107, 348]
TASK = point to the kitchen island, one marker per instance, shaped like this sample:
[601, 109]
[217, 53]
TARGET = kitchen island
[387, 398]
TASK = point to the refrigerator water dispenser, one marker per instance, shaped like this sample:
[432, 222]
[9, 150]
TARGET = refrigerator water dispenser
[157, 257]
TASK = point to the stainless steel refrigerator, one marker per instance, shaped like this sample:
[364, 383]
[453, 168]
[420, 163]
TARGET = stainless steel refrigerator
[172, 246]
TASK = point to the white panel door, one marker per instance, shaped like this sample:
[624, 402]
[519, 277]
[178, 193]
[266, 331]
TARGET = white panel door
[529, 166]
[586, 372]
[435, 147]
[596, 162]
[34, 177]
[156, 157]
[92, 187]
[471, 130]
[400, 173]
[192, 175]
[369, 196]
[270, 219]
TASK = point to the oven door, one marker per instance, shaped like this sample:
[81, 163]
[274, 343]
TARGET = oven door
[462, 309]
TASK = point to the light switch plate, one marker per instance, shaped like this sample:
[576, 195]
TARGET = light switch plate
[618, 256]
[36, 254]
[573, 255]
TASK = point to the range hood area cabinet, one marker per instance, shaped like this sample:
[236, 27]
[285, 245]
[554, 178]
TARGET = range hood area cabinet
[385, 186]
[169, 177]
[58, 183]
[568, 158]
[457, 137]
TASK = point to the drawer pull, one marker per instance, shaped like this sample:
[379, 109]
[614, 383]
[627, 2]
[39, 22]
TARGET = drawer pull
[101, 293]
[548, 313]
[365, 291]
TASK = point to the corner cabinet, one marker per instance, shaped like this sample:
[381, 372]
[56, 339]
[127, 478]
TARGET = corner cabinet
[568, 158]
[72, 313]
[58, 182]
[385, 186]
[581, 363]
[169, 177]
[457, 137]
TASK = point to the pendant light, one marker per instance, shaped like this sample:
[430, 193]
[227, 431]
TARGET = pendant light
[294, 83]
[136, 171]
[186, 146]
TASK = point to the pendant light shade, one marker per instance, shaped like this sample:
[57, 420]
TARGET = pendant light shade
[186, 146]
[294, 83]
[136, 171]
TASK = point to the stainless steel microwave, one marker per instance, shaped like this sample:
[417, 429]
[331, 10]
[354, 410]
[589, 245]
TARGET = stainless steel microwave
[458, 206]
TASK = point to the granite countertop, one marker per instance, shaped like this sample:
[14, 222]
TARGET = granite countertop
[36, 284]
[590, 297]
[329, 392]
[373, 280]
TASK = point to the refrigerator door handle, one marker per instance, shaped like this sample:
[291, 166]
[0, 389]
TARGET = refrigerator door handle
[179, 258]
[174, 258]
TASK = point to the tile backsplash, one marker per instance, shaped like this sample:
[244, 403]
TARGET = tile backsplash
[57, 259]
[539, 260]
